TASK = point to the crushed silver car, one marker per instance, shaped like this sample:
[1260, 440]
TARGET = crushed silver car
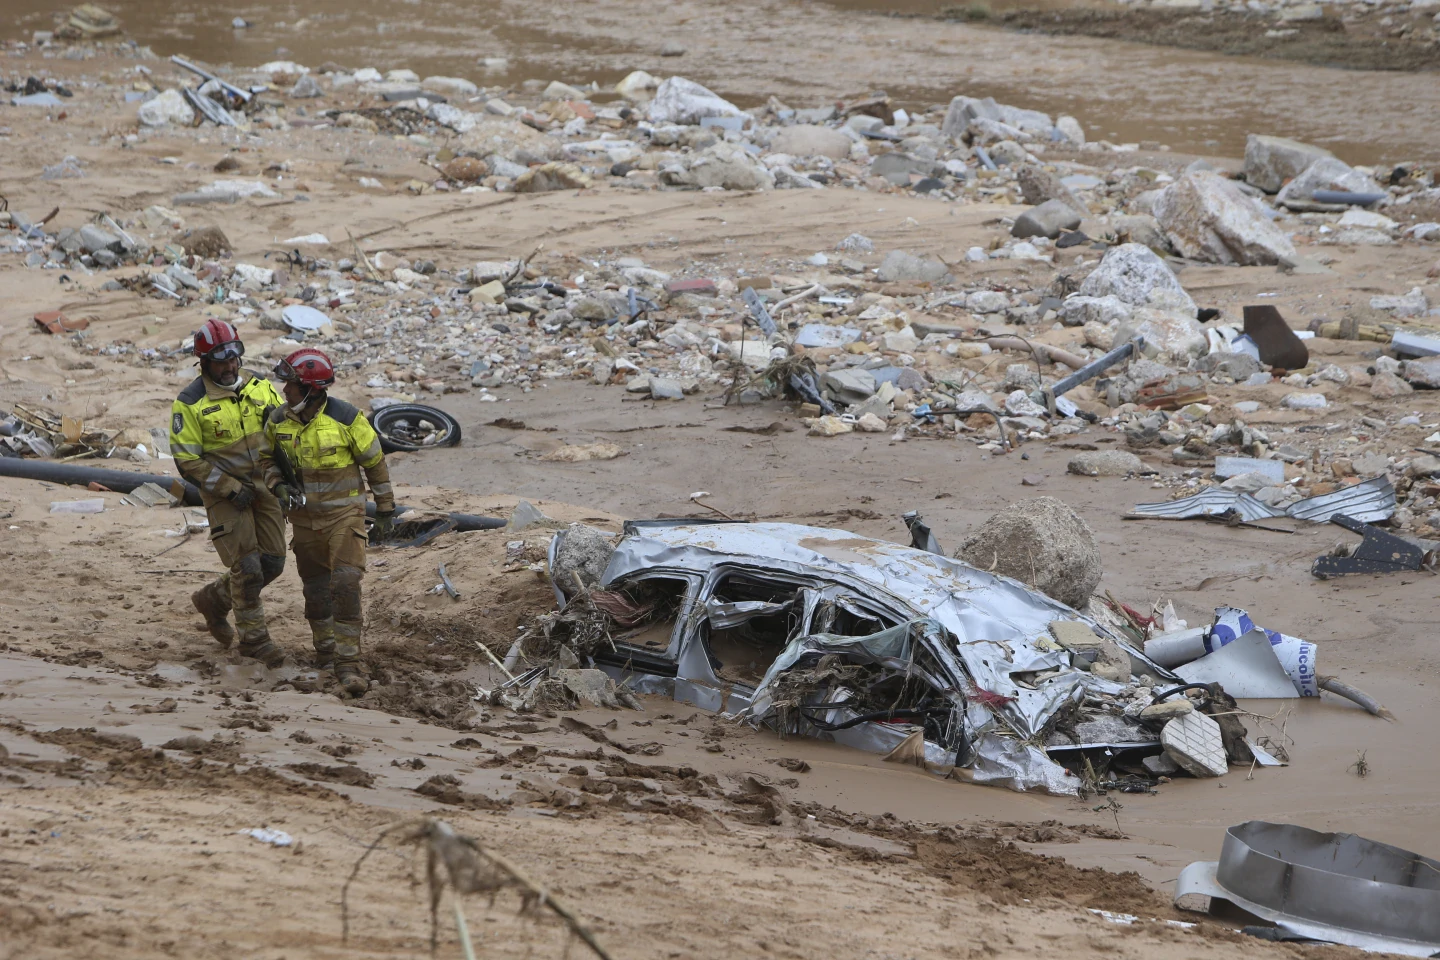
[823, 632]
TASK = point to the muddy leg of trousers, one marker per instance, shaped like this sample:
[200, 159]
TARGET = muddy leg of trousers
[330, 556]
[251, 543]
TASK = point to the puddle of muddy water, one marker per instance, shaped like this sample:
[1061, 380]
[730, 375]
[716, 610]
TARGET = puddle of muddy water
[810, 52]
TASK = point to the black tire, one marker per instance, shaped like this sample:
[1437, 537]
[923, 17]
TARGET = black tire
[399, 427]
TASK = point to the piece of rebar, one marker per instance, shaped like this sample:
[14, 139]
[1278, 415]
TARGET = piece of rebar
[244, 95]
[1088, 372]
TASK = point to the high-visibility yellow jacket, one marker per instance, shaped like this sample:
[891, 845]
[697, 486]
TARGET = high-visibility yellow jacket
[328, 454]
[215, 433]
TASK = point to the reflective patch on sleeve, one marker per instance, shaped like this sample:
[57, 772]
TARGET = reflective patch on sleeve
[177, 423]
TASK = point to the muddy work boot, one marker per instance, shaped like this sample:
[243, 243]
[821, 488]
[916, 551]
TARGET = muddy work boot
[353, 683]
[213, 603]
[265, 650]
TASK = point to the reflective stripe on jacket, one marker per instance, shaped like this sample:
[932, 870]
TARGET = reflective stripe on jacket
[328, 454]
[215, 432]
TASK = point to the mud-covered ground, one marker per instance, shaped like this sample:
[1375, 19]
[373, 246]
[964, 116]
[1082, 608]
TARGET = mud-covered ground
[133, 750]
[1403, 42]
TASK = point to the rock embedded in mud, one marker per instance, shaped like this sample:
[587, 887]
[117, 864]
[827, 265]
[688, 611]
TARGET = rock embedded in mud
[1040, 542]
[1272, 161]
[584, 552]
[1209, 219]
[1104, 463]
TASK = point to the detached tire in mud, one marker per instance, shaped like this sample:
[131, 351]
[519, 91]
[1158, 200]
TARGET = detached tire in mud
[408, 427]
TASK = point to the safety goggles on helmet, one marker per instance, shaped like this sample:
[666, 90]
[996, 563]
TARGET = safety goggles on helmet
[227, 351]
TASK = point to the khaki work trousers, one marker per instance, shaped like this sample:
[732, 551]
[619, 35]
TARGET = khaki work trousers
[330, 557]
[251, 544]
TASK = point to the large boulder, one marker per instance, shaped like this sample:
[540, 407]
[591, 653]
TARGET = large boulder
[1208, 218]
[805, 140]
[1327, 173]
[678, 100]
[1042, 543]
[1271, 161]
[1135, 274]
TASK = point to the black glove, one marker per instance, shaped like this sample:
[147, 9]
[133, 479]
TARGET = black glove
[285, 495]
[243, 497]
[384, 527]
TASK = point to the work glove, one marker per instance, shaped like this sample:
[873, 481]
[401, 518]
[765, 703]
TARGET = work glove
[285, 495]
[383, 528]
[243, 497]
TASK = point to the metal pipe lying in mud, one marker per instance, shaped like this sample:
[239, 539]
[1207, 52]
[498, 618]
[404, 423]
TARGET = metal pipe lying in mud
[125, 481]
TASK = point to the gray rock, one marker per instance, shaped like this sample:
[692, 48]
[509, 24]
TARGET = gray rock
[1327, 173]
[1271, 161]
[1424, 373]
[168, 107]
[1175, 335]
[1104, 463]
[1040, 542]
[1141, 228]
[1049, 219]
[856, 243]
[306, 88]
[663, 388]
[986, 301]
[963, 110]
[1037, 185]
[724, 165]
[898, 168]
[1108, 310]
[804, 140]
[583, 551]
[1134, 273]
[788, 178]
[1207, 218]
[592, 309]
[849, 385]
[1008, 153]
[93, 239]
[1237, 366]
[1070, 129]
[1412, 304]
[1020, 376]
[1387, 386]
[1161, 765]
[901, 267]
[678, 100]
[1019, 404]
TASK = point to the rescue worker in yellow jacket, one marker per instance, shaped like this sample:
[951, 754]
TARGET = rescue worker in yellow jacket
[216, 426]
[313, 451]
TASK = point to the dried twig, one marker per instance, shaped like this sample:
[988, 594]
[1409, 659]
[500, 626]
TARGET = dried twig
[468, 868]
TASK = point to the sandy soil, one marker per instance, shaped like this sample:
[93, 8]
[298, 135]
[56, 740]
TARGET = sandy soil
[131, 846]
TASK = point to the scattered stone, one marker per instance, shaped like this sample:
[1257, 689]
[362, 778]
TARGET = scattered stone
[1424, 373]
[678, 100]
[1040, 542]
[1134, 274]
[829, 426]
[1388, 386]
[1049, 220]
[306, 88]
[1327, 173]
[1167, 709]
[1104, 657]
[1039, 186]
[466, 169]
[552, 176]
[169, 107]
[1104, 463]
[805, 140]
[871, 423]
[1272, 161]
[1207, 218]
[1304, 401]
[901, 267]
[1412, 304]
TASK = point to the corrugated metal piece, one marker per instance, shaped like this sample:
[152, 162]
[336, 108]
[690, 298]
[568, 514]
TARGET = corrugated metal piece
[1209, 502]
[1367, 502]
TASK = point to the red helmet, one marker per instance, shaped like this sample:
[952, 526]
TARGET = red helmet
[217, 340]
[306, 366]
